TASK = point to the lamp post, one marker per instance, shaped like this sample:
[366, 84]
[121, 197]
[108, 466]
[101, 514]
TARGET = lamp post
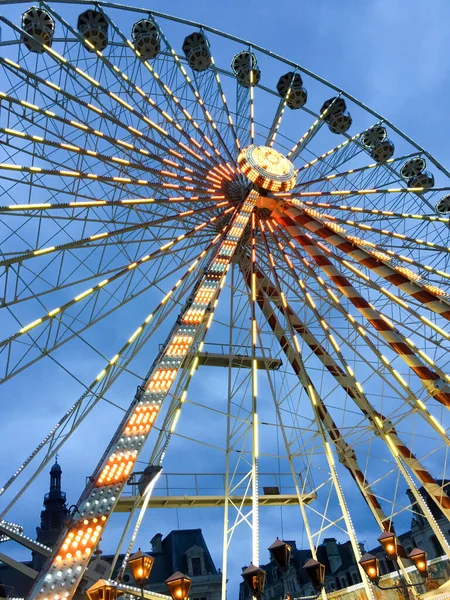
[140, 566]
[371, 564]
[179, 586]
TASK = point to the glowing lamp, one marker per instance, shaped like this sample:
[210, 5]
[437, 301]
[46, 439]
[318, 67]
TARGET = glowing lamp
[179, 586]
[371, 566]
[102, 590]
[255, 578]
[389, 542]
[316, 572]
[419, 558]
[281, 554]
[140, 565]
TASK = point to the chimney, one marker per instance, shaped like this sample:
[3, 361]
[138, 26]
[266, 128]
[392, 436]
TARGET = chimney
[334, 556]
[156, 542]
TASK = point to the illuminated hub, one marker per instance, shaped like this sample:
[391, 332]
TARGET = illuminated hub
[267, 168]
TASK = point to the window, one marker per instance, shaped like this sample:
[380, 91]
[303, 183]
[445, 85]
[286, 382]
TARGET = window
[196, 567]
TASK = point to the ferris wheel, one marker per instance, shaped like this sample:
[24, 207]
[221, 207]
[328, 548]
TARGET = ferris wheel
[262, 255]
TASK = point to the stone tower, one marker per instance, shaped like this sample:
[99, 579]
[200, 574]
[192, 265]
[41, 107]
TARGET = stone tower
[53, 516]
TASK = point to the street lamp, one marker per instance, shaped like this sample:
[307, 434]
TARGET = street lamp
[389, 542]
[255, 578]
[316, 573]
[102, 590]
[140, 566]
[371, 566]
[281, 554]
[419, 558]
[179, 586]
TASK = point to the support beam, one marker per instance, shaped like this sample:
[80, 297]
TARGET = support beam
[238, 361]
[18, 566]
[23, 540]
[126, 503]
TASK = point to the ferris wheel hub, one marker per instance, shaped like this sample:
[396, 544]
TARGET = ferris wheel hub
[267, 168]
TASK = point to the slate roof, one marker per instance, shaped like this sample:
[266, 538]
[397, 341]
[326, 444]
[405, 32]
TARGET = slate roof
[172, 556]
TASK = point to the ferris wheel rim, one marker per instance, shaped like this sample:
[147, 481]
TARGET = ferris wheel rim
[269, 53]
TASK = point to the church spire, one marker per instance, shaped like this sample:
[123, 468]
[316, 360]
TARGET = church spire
[54, 514]
[55, 478]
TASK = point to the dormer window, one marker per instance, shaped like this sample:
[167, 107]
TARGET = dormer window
[196, 561]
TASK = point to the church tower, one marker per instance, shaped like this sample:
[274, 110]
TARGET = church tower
[53, 516]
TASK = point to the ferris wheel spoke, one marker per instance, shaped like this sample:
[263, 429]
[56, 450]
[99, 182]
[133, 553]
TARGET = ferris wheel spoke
[312, 393]
[345, 374]
[278, 117]
[127, 86]
[91, 203]
[81, 128]
[345, 451]
[117, 365]
[18, 284]
[430, 380]
[426, 244]
[91, 294]
[341, 374]
[71, 186]
[397, 261]
[427, 297]
[376, 212]
[365, 336]
[229, 120]
[175, 102]
[330, 160]
[247, 75]
[76, 72]
[103, 235]
[406, 342]
[75, 324]
[49, 272]
[363, 192]
[125, 181]
[361, 280]
[357, 170]
[109, 161]
[297, 149]
[380, 423]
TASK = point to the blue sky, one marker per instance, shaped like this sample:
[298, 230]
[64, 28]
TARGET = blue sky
[390, 54]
